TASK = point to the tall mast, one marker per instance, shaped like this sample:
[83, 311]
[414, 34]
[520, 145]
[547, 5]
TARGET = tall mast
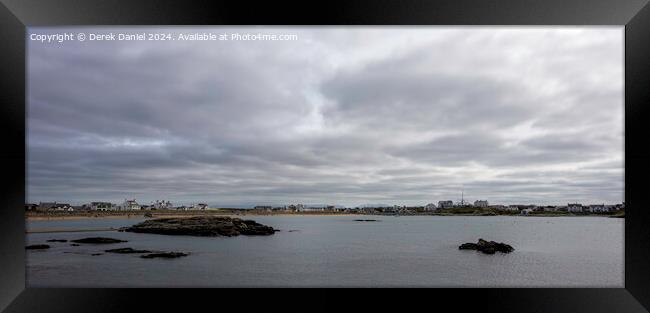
[462, 195]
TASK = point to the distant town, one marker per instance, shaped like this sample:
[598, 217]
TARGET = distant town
[444, 207]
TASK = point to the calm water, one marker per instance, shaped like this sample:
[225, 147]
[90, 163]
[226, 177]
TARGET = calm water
[337, 251]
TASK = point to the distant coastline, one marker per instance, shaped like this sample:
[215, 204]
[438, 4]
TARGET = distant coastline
[45, 216]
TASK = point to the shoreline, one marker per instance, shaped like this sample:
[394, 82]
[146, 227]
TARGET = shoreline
[55, 217]
[108, 216]
[166, 215]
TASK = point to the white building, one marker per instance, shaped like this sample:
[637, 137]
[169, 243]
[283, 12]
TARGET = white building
[59, 207]
[598, 208]
[574, 207]
[610, 207]
[513, 207]
[129, 205]
[101, 206]
[312, 208]
[200, 206]
[55, 206]
[445, 204]
[162, 205]
[430, 207]
[481, 203]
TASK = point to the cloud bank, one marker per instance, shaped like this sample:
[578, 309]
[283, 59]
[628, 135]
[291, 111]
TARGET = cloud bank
[395, 115]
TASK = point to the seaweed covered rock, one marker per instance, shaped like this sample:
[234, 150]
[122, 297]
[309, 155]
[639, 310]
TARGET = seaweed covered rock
[468, 246]
[487, 247]
[37, 247]
[164, 255]
[98, 240]
[201, 226]
[126, 251]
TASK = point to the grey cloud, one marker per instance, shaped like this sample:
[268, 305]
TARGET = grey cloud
[347, 116]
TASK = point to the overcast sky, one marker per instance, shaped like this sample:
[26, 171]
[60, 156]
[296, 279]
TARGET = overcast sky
[347, 116]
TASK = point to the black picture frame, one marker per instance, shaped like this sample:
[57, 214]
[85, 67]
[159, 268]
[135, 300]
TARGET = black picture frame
[16, 15]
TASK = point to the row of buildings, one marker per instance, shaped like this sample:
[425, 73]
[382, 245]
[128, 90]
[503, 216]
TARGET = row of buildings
[570, 207]
[483, 204]
[132, 204]
[126, 205]
[446, 204]
[299, 208]
[387, 208]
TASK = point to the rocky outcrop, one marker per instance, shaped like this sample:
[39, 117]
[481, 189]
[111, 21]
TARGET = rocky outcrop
[487, 247]
[57, 240]
[165, 255]
[126, 251]
[98, 240]
[201, 226]
[37, 247]
[365, 220]
[148, 254]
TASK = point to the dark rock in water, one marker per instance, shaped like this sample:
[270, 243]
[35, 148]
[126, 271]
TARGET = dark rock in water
[57, 240]
[292, 230]
[36, 247]
[487, 247]
[101, 240]
[126, 251]
[201, 226]
[366, 220]
[166, 255]
[468, 246]
[75, 244]
[94, 254]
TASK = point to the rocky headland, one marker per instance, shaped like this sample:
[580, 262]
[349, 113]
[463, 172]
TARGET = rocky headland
[201, 226]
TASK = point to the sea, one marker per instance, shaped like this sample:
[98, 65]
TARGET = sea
[337, 251]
